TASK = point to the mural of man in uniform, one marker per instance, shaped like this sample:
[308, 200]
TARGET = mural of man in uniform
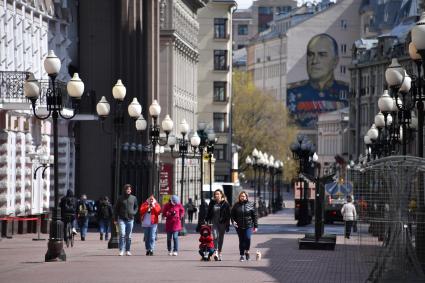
[321, 92]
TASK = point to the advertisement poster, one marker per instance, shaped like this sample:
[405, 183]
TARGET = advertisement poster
[166, 179]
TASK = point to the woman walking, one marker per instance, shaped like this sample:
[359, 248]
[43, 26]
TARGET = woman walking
[219, 216]
[349, 214]
[244, 218]
[173, 211]
[149, 212]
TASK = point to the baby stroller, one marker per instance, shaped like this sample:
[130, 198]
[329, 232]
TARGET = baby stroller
[206, 247]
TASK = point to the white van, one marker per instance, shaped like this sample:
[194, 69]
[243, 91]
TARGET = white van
[231, 190]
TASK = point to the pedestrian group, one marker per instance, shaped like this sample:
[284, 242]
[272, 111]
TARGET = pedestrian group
[218, 215]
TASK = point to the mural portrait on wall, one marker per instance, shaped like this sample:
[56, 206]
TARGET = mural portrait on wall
[320, 92]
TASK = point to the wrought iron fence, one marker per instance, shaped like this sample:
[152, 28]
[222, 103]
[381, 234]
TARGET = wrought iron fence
[388, 194]
[12, 89]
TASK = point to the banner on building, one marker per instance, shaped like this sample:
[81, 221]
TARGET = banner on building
[166, 179]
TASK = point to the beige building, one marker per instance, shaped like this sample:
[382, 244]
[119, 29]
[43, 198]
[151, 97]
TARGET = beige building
[178, 72]
[214, 79]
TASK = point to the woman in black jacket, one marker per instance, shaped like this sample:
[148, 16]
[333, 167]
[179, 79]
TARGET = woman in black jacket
[244, 218]
[219, 216]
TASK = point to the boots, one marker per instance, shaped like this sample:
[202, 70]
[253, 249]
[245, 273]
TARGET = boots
[101, 236]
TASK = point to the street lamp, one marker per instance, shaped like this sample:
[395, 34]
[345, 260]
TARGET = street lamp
[54, 103]
[154, 135]
[103, 110]
[210, 151]
[183, 152]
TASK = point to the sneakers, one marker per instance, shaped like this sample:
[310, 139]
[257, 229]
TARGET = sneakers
[175, 254]
[170, 253]
[128, 253]
[247, 255]
[219, 257]
[216, 256]
[74, 231]
[149, 253]
[242, 258]
[121, 253]
[83, 238]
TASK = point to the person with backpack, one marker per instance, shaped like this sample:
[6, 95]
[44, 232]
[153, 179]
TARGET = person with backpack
[83, 210]
[68, 206]
[104, 217]
[191, 209]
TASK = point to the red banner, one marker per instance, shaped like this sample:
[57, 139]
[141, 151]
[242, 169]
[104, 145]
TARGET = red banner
[166, 179]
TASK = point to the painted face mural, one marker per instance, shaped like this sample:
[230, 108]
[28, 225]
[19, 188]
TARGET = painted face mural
[321, 92]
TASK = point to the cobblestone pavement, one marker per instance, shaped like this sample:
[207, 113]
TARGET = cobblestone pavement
[22, 260]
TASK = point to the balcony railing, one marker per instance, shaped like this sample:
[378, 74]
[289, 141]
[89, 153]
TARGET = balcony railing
[12, 91]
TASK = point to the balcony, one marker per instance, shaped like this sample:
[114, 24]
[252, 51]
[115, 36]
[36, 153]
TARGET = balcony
[12, 93]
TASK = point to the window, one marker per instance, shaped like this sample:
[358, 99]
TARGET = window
[220, 28]
[240, 46]
[342, 69]
[220, 91]
[220, 60]
[343, 24]
[242, 29]
[343, 48]
[219, 122]
[265, 10]
[220, 151]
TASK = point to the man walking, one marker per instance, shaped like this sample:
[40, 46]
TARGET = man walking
[83, 210]
[125, 209]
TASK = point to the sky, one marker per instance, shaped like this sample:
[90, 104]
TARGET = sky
[243, 4]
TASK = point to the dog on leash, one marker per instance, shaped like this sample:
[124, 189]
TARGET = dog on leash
[258, 256]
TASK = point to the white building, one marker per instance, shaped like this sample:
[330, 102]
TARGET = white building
[332, 137]
[28, 29]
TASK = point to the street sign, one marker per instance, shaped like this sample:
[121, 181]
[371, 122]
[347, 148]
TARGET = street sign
[166, 179]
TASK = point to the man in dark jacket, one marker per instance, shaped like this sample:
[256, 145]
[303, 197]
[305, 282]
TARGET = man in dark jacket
[68, 206]
[83, 210]
[124, 211]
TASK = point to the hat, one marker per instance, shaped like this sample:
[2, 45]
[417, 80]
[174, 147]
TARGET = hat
[175, 199]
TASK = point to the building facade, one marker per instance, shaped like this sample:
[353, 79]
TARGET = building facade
[28, 29]
[178, 91]
[249, 22]
[215, 80]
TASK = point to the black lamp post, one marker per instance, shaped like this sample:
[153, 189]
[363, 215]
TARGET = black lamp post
[210, 151]
[183, 152]
[103, 109]
[154, 138]
[304, 151]
[54, 103]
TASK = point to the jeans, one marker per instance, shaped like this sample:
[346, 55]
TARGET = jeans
[244, 239]
[105, 227]
[218, 231]
[150, 234]
[175, 236]
[348, 226]
[126, 227]
[190, 216]
[83, 223]
[210, 252]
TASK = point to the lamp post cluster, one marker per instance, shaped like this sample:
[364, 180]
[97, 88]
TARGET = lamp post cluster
[396, 122]
[262, 164]
[52, 98]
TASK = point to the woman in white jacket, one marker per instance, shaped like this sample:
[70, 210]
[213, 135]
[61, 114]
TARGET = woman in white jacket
[349, 214]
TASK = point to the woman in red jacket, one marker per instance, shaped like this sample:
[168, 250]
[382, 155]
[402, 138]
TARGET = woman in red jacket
[149, 211]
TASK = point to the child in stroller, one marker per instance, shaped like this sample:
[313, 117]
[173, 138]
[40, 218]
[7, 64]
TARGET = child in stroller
[206, 247]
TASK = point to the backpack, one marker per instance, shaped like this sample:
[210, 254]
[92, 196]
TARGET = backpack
[82, 210]
[104, 211]
[69, 206]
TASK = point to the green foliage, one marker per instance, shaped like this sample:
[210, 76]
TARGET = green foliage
[261, 121]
